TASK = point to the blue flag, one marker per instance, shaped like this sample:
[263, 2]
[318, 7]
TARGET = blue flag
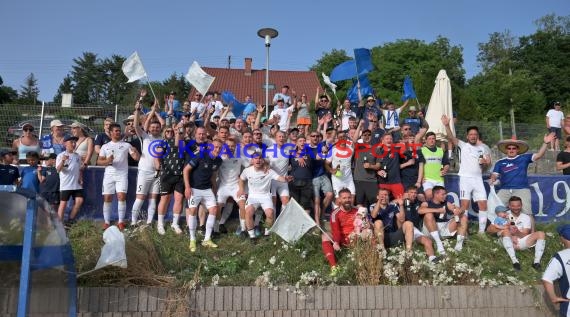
[409, 92]
[365, 89]
[363, 61]
[229, 98]
[343, 71]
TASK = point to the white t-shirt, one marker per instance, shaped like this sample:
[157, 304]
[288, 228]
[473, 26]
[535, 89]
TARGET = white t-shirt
[279, 162]
[470, 154]
[283, 117]
[146, 162]
[258, 182]
[392, 118]
[523, 221]
[343, 158]
[218, 107]
[555, 118]
[120, 151]
[199, 107]
[69, 176]
[230, 170]
[555, 271]
[346, 114]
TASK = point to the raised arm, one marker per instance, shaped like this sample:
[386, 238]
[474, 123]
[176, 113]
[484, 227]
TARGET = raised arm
[450, 137]
[547, 139]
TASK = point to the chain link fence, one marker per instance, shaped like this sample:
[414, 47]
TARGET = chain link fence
[13, 117]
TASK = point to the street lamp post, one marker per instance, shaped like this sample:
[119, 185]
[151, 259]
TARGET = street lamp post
[267, 34]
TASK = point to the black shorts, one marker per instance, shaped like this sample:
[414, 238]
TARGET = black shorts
[51, 197]
[65, 194]
[392, 239]
[303, 194]
[365, 192]
[171, 183]
[557, 131]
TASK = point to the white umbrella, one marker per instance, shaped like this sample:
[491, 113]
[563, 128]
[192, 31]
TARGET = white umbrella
[439, 105]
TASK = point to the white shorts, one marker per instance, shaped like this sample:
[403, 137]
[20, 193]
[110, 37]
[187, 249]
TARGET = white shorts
[472, 187]
[146, 181]
[429, 184]
[522, 245]
[418, 234]
[279, 188]
[113, 184]
[202, 195]
[442, 228]
[226, 191]
[263, 202]
[338, 185]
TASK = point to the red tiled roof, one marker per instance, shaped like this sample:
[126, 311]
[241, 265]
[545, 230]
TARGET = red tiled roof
[241, 85]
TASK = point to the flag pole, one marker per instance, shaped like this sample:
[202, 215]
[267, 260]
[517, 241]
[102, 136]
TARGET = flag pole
[151, 90]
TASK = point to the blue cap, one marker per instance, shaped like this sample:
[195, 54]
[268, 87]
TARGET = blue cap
[564, 231]
[500, 208]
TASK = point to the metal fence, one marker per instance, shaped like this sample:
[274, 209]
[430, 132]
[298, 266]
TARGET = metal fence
[13, 117]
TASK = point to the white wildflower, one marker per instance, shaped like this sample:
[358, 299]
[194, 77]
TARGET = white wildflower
[272, 260]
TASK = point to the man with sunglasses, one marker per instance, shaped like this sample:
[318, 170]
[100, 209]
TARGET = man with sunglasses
[512, 170]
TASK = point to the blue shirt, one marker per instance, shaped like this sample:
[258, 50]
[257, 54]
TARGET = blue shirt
[30, 178]
[513, 171]
[203, 167]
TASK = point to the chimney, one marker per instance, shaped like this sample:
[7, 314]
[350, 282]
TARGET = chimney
[247, 70]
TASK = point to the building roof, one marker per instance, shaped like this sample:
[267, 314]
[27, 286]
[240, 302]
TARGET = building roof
[241, 85]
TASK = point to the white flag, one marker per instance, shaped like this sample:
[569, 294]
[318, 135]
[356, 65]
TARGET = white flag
[293, 222]
[329, 83]
[198, 78]
[133, 68]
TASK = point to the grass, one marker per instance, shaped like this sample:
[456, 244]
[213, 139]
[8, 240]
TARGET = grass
[155, 260]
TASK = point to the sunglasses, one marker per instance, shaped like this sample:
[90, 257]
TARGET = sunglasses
[168, 131]
[314, 136]
[324, 100]
[28, 129]
[512, 148]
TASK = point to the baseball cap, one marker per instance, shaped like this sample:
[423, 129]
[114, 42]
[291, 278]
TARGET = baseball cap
[56, 123]
[77, 125]
[500, 208]
[70, 138]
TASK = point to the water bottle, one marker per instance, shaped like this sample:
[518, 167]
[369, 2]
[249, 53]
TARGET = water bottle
[385, 169]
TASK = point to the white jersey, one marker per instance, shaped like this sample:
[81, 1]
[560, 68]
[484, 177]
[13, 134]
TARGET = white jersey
[470, 154]
[523, 221]
[229, 172]
[259, 182]
[342, 157]
[120, 151]
[69, 175]
[283, 117]
[556, 270]
[277, 161]
[198, 107]
[146, 162]
[218, 107]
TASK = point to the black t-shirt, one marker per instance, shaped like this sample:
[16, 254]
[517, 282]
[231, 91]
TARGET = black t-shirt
[410, 173]
[446, 216]
[101, 139]
[392, 168]
[8, 174]
[136, 143]
[172, 163]
[564, 157]
[51, 183]
[413, 215]
[203, 167]
[302, 172]
[388, 217]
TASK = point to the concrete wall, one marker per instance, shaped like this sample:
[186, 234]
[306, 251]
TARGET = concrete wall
[358, 301]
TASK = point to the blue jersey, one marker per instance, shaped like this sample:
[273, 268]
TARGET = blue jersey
[513, 171]
[203, 167]
[30, 178]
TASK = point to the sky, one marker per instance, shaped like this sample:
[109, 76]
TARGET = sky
[43, 37]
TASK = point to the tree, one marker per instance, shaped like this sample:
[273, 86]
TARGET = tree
[497, 52]
[7, 94]
[66, 87]
[88, 79]
[29, 92]
[326, 64]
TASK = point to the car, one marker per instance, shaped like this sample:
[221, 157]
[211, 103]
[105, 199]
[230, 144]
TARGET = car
[15, 131]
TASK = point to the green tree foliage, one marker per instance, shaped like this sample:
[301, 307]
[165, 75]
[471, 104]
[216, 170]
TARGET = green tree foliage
[66, 87]
[29, 92]
[7, 94]
[325, 65]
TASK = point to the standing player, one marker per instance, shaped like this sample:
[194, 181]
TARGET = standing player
[474, 160]
[199, 179]
[147, 180]
[114, 156]
[258, 177]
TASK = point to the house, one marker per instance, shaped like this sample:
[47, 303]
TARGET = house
[249, 81]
